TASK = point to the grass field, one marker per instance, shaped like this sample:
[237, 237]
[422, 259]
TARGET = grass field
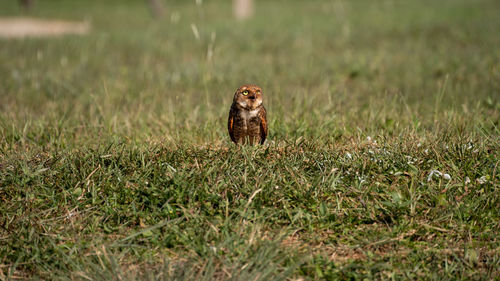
[115, 162]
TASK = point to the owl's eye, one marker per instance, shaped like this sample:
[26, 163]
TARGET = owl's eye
[245, 93]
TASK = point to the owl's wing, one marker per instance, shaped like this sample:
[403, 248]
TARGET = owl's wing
[230, 123]
[263, 125]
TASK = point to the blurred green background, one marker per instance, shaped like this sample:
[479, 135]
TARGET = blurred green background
[353, 63]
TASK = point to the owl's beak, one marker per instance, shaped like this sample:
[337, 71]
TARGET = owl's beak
[251, 97]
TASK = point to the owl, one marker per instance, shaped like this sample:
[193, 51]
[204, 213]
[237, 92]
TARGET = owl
[247, 123]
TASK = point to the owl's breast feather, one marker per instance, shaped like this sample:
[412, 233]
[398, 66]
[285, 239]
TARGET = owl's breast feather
[247, 114]
[245, 117]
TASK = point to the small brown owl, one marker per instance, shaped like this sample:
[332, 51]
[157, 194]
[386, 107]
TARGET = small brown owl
[247, 121]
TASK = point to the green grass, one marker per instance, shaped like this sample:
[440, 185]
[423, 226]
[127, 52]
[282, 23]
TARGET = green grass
[115, 162]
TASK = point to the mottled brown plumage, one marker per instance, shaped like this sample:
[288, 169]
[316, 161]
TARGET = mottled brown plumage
[247, 121]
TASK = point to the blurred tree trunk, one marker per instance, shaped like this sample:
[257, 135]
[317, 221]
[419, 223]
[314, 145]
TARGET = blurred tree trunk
[242, 9]
[157, 8]
[26, 4]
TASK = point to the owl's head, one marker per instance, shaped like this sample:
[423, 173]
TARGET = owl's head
[248, 96]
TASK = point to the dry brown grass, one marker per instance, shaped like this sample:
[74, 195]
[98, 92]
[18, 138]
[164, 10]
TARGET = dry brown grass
[21, 27]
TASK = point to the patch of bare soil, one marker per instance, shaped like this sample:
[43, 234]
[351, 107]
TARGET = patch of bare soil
[31, 27]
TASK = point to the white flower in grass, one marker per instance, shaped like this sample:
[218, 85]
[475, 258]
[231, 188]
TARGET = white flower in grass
[411, 160]
[447, 177]
[482, 180]
[348, 155]
[467, 180]
[434, 173]
[361, 180]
